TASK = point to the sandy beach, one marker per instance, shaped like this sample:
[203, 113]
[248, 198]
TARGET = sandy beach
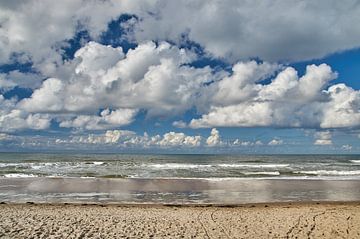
[276, 220]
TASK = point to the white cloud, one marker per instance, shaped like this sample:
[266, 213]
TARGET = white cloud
[17, 78]
[12, 119]
[288, 101]
[154, 78]
[293, 31]
[22, 22]
[157, 78]
[48, 98]
[239, 86]
[107, 120]
[94, 59]
[124, 138]
[276, 142]
[179, 124]
[323, 138]
[149, 77]
[4, 137]
[214, 138]
[238, 142]
[286, 30]
[343, 109]
[6, 84]
[109, 137]
[346, 147]
[179, 139]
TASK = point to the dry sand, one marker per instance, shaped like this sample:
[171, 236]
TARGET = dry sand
[281, 220]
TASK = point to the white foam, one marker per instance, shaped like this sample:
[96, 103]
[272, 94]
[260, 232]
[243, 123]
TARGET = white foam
[194, 166]
[31, 165]
[98, 163]
[330, 172]
[253, 165]
[197, 178]
[178, 166]
[3, 165]
[37, 166]
[19, 175]
[355, 161]
[260, 177]
[274, 173]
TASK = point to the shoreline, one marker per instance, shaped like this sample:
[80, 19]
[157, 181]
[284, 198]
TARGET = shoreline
[175, 191]
[186, 205]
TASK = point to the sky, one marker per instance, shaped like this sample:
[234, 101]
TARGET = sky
[181, 76]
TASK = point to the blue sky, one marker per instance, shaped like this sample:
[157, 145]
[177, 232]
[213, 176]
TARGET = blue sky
[129, 77]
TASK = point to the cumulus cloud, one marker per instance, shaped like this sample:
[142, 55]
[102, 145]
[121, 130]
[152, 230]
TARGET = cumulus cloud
[238, 142]
[16, 78]
[22, 22]
[4, 137]
[343, 108]
[6, 84]
[157, 78]
[293, 31]
[109, 137]
[149, 77]
[276, 142]
[107, 120]
[214, 138]
[95, 58]
[48, 98]
[239, 86]
[179, 139]
[346, 147]
[323, 138]
[125, 138]
[179, 124]
[228, 29]
[12, 119]
[288, 101]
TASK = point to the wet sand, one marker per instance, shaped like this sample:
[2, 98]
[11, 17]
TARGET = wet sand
[276, 220]
[175, 191]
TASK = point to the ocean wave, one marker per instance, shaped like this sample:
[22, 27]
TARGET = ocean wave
[329, 172]
[355, 161]
[194, 166]
[253, 165]
[271, 173]
[19, 175]
[5, 165]
[177, 166]
[36, 167]
[26, 165]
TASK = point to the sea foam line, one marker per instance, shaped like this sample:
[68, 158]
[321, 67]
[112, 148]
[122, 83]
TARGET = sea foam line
[194, 166]
[19, 175]
[330, 172]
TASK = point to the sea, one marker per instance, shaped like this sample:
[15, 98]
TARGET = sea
[197, 178]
